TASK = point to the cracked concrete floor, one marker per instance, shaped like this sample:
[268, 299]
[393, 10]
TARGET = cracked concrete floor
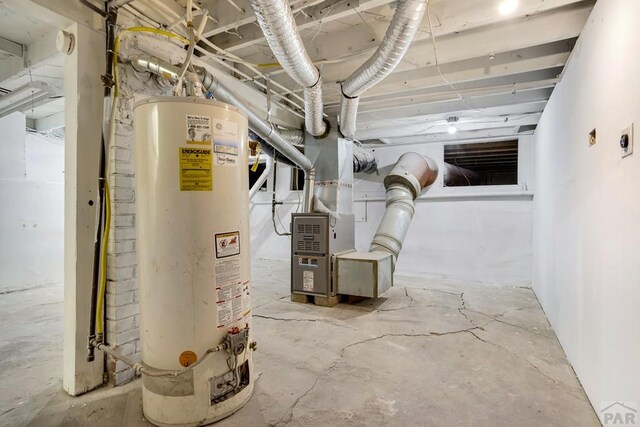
[431, 352]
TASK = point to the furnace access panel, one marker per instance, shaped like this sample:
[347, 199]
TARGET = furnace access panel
[310, 260]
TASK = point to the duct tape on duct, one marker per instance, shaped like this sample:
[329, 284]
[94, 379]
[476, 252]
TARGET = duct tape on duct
[179, 385]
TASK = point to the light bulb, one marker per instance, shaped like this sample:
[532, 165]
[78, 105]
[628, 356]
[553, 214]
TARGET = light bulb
[507, 7]
[452, 129]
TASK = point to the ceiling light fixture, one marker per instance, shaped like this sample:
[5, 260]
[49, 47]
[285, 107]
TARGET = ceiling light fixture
[452, 128]
[507, 7]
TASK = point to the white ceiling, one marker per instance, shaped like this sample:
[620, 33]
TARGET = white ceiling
[39, 62]
[502, 69]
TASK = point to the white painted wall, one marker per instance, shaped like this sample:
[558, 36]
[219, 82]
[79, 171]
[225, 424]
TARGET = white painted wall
[457, 233]
[31, 207]
[587, 207]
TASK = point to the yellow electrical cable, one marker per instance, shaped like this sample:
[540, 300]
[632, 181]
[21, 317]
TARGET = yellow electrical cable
[103, 261]
[107, 197]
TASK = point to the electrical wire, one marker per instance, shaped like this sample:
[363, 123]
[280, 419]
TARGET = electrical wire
[435, 54]
[110, 139]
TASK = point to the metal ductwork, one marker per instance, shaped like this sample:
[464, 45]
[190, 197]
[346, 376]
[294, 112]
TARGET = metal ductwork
[410, 176]
[393, 47]
[261, 127]
[278, 25]
[295, 137]
[363, 160]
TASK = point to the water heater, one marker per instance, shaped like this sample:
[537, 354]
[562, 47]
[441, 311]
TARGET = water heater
[192, 227]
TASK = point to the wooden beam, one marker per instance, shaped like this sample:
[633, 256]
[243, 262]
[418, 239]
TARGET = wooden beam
[440, 107]
[326, 11]
[391, 127]
[11, 47]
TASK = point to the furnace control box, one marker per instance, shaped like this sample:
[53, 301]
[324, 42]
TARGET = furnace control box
[310, 260]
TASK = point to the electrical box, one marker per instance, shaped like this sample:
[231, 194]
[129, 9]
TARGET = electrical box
[310, 258]
[364, 274]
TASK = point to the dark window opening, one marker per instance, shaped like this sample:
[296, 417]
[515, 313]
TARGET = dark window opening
[253, 176]
[487, 163]
[297, 179]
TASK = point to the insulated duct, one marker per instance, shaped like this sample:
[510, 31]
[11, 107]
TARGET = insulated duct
[410, 176]
[261, 127]
[295, 137]
[363, 160]
[278, 25]
[393, 47]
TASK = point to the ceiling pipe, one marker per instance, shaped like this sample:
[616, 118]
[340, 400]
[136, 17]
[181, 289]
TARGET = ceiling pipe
[411, 175]
[278, 25]
[385, 59]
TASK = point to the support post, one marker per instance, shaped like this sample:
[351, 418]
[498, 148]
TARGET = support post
[83, 132]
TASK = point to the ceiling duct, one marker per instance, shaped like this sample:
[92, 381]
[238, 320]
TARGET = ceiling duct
[278, 25]
[386, 58]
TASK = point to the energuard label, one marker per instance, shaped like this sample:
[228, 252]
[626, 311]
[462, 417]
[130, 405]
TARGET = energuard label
[195, 169]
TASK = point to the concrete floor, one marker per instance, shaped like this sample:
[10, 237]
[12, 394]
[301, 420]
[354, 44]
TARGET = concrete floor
[431, 352]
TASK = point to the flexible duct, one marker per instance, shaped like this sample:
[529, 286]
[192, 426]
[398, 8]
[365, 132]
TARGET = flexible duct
[363, 161]
[261, 127]
[410, 176]
[278, 25]
[293, 136]
[393, 47]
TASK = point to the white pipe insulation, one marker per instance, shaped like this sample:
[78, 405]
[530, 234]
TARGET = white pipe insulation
[385, 59]
[262, 178]
[411, 175]
[279, 27]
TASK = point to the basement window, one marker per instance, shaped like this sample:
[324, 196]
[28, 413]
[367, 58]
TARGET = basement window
[297, 179]
[485, 163]
[253, 176]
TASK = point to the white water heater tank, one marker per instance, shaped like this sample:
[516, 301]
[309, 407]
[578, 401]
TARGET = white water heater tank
[192, 228]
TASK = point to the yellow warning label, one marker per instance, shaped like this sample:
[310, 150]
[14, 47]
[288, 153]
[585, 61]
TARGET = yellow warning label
[195, 169]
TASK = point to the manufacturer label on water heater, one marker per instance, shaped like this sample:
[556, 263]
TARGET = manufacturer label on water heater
[195, 169]
[226, 142]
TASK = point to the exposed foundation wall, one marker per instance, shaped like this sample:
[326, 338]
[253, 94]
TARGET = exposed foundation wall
[31, 207]
[457, 233]
[587, 207]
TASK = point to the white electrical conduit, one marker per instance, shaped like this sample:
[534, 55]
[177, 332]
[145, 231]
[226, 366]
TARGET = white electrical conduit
[278, 25]
[262, 178]
[410, 176]
[385, 59]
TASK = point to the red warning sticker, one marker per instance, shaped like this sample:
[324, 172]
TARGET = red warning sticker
[227, 244]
